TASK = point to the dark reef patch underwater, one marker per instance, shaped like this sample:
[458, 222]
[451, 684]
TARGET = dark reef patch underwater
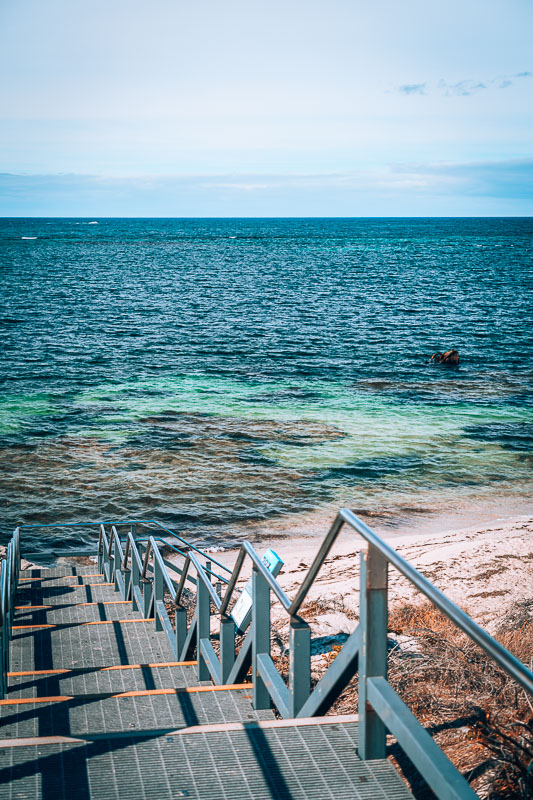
[212, 373]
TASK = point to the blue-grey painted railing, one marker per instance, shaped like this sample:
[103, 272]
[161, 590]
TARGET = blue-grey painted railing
[141, 574]
[184, 606]
[133, 524]
[9, 574]
[381, 710]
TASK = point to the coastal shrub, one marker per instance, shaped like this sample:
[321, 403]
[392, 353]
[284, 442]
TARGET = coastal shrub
[481, 719]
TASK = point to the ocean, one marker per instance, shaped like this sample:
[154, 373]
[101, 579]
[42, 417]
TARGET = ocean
[215, 374]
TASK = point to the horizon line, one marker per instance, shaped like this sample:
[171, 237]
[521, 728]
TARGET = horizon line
[293, 217]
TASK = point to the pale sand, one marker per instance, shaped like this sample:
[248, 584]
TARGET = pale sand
[484, 568]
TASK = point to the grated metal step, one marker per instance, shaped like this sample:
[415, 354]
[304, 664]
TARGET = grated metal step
[88, 646]
[68, 579]
[55, 572]
[96, 680]
[45, 613]
[91, 714]
[315, 762]
[35, 593]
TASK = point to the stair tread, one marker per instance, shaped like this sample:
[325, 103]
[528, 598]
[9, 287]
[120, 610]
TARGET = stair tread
[81, 645]
[302, 763]
[60, 593]
[86, 713]
[51, 572]
[71, 613]
[102, 680]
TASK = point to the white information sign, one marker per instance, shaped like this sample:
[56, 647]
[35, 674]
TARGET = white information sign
[242, 611]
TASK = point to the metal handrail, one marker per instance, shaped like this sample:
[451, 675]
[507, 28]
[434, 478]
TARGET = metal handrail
[320, 557]
[232, 581]
[509, 663]
[183, 578]
[247, 549]
[132, 522]
[515, 668]
[146, 559]
[9, 574]
[126, 553]
[205, 578]
[183, 553]
[380, 707]
[135, 552]
[166, 577]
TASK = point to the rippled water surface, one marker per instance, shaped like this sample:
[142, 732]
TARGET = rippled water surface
[210, 373]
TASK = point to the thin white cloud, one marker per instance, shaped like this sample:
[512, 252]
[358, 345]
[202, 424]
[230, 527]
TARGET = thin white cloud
[462, 88]
[413, 88]
[399, 186]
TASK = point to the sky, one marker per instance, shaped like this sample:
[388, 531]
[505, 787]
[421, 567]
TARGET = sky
[292, 108]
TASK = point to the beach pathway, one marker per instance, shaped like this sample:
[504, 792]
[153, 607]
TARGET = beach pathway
[97, 709]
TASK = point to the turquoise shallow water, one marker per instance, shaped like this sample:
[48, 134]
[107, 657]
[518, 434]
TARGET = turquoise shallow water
[213, 373]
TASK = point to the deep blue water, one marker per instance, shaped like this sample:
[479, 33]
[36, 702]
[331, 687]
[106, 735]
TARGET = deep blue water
[210, 373]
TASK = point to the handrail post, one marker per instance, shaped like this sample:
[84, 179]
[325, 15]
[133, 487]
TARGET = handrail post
[135, 579]
[147, 585]
[180, 620]
[203, 624]
[106, 553]
[126, 554]
[126, 571]
[116, 558]
[147, 591]
[373, 653]
[10, 587]
[300, 664]
[16, 537]
[100, 549]
[3, 632]
[181, 612]
[260, 635]
[159, 592]
[227, 647]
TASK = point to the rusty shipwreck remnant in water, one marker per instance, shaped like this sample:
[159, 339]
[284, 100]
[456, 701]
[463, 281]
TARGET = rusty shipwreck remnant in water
[449, 357]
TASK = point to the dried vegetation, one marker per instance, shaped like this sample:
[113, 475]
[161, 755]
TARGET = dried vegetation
[480, 717]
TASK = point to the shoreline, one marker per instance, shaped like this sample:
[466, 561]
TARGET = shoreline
[485, 567]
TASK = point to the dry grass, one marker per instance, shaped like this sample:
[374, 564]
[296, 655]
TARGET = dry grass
[480, 718]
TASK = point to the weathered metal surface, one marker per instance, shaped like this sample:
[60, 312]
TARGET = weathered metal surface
[74, 623]
[373, 651]
[425, 754]
[290, 763]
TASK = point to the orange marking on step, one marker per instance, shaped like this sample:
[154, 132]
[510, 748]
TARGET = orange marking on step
[76, 624]
[71, 585]
[100, 602]
[101, 669]
[38, 672]
[58, 577]
[79, 585]
[138, 693]
[23, 627]
[25, 700]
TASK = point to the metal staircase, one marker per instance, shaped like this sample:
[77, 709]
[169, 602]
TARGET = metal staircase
[127, 679]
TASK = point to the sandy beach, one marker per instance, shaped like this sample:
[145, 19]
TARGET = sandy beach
[485, 567]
